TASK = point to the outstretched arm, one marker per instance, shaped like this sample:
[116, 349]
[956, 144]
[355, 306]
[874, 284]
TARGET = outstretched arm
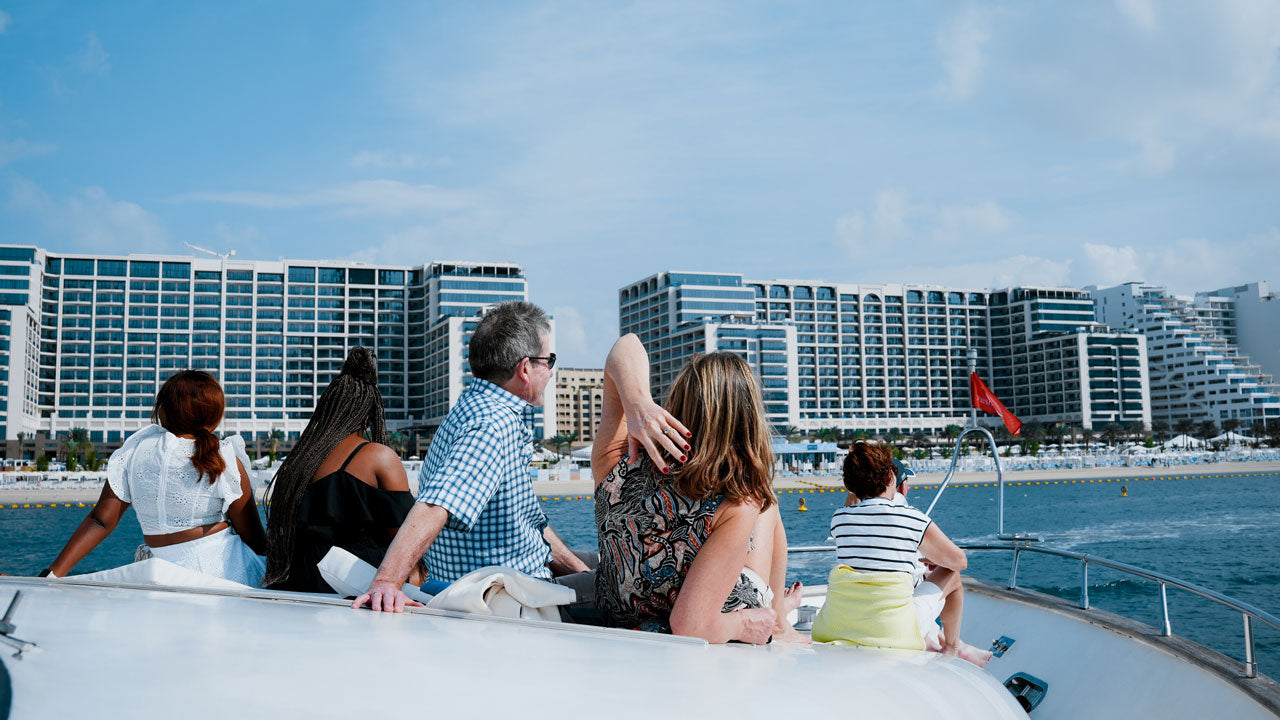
[419, 530]
[95, 527]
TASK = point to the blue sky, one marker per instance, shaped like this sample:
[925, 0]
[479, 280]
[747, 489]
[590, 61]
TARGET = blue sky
[979, 144]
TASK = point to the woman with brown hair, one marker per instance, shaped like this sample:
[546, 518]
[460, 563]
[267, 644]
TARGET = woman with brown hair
[189, 490]
[690, 536]
[336, 488]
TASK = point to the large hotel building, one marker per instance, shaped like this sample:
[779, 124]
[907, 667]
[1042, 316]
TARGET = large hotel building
[88, 339]
[893, 357]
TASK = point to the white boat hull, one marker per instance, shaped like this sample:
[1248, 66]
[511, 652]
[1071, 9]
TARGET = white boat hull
[122, 651]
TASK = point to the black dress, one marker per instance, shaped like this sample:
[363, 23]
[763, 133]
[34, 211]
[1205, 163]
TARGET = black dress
[340, 510]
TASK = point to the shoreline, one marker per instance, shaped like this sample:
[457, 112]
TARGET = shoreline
[559, 489]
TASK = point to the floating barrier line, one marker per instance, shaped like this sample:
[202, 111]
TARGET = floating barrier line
[816, 488]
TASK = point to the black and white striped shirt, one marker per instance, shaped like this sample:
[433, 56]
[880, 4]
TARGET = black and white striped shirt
[877, 535]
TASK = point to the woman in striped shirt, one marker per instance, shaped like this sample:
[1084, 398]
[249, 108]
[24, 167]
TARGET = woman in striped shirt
[873, 598]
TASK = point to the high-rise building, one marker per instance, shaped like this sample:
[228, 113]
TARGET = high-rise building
[1053, 362]
[91, 337]
[579, 402]
[893, 357]
[879, 357]
[1250, 320]
[1196, 372]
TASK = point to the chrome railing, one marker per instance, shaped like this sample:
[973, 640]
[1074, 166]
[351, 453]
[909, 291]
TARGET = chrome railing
[1249, 612]
[955, 459]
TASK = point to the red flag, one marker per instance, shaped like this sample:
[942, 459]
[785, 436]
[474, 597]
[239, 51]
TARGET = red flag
[981, 397]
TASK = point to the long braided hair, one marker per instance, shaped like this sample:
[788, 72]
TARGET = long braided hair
[351, 404]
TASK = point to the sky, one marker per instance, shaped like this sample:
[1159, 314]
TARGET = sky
[969, 144]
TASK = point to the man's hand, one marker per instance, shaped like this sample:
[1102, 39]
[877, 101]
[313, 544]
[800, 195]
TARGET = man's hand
[383, 596]
[757, 625]
[650, 426]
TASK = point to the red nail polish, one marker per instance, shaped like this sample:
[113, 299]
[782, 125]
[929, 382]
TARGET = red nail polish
[682, 458]
[666, 470]
[686, 447]
[688, 434]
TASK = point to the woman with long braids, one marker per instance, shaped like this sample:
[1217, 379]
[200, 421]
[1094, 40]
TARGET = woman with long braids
[190, 490]
[336, 488]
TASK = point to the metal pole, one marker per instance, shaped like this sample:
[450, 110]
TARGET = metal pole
[1013, 574]
[1084, 584]
[1164, 610]
[1250, 666]
[972, 354]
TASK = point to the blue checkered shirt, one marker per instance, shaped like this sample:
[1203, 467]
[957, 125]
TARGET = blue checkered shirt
[478, 470]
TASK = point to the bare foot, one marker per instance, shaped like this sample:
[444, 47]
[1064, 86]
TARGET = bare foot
[788, 634]
[973, 654]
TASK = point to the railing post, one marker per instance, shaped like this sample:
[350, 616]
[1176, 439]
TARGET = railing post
[1250, 666]
[1013, 574]
[1084, 584]
[1167, 629]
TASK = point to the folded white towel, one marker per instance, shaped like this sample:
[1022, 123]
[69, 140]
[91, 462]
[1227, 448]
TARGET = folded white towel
[350, 576]
[504, 592]
[490, 590]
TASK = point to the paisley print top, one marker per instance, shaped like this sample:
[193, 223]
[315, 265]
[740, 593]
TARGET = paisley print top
[649, 535]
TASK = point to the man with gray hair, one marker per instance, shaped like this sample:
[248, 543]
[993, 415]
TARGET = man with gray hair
[476, 505]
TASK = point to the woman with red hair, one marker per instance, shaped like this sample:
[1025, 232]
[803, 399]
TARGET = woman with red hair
[190, 491]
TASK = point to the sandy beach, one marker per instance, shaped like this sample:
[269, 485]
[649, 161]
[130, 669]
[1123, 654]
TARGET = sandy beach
[31, 497]
[815, 483]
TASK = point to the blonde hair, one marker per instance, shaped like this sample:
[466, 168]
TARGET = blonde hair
[718, 399]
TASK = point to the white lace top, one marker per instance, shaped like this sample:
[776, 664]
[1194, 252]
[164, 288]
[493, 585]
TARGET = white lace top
[152, 470]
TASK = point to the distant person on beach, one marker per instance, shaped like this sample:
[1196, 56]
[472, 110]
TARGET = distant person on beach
[691, 540]
[871, 595]
[476, 506]
[336, 488]
[190, 491]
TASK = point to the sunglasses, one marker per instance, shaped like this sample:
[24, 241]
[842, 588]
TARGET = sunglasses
[551, 360]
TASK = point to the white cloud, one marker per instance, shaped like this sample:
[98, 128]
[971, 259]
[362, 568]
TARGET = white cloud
[985, 218]
[93, 59]
[1142, 13]
[1105, 265]
[1186, 265]
[960, 43]
[5, 20]
[365, 197]
[90, 219]
[1191, 86]
[894, 218]
[386, 160]
[571, 332]
[12, 150]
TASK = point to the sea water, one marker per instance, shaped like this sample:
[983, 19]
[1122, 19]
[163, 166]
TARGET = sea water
[1221, 533]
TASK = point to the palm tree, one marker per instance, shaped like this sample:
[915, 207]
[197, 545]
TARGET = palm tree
[1111, 433]
[1207, 429]
[1160, 429]
[1231, 425]
[919, 439]
[92, 461]
[273, 444]
[1185, 426]
[827, 434]
[560, 441]
[397, 441]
